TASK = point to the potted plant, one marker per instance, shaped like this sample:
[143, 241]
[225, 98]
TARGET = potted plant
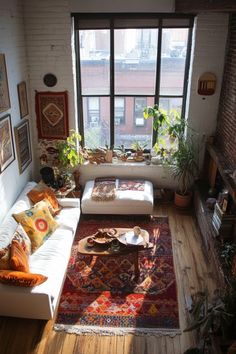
[70, 155]
[138, 148]
[185, 168]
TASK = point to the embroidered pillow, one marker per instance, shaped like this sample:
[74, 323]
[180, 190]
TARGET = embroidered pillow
[5, 258]
[12, 277]
[21, 236]
[38, 223]
[42, 191]
[18, 259]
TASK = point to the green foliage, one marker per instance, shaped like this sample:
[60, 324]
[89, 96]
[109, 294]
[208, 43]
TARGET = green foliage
[209, 317]
[69, 150]
[137, 146]
[184, 165]
[227, 252]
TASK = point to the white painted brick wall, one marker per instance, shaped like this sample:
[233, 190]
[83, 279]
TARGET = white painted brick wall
[12, 44]
[210, 34]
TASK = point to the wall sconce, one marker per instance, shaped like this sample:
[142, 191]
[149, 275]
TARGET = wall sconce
[207, 84]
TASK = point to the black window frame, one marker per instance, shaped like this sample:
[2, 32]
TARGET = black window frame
[110, 18]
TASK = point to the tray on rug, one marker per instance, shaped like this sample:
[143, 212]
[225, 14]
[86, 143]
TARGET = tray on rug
[101, 295]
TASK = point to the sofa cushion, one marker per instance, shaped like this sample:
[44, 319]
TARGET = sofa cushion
[37, 223]
[12, 277]
[42, 191]
[21, 236]
[5, 258]
[18, 259]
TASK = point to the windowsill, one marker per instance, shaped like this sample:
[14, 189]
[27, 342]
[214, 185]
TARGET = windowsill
[125, 164]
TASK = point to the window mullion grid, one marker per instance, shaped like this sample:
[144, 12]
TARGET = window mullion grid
[158, 73]
[186, 72]
[112, 83]
[79, 88]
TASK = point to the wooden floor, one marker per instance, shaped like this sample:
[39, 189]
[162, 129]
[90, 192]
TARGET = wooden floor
[193, 273]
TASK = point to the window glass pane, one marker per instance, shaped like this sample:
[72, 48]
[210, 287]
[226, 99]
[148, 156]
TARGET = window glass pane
[95, 61]
[173, 58]
[119, 110]
[170, 103]
[135, 61]
[135, 127]
[96, 111]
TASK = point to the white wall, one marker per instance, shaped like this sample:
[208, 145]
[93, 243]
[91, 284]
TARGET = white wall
[208, 54]
[12, 44]
[122, 6]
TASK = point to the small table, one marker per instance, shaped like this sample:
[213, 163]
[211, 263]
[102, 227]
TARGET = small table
[107, 250]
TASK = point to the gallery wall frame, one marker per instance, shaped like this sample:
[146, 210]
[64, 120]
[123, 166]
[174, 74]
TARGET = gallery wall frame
[52, 115]
[23, 101]
[4, 90]
[23, 145]
[7, 153]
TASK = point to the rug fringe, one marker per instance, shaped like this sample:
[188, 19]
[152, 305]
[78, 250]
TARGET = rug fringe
[109, 331]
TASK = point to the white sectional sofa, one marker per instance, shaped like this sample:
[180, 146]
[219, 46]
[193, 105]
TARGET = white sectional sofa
[51, 260]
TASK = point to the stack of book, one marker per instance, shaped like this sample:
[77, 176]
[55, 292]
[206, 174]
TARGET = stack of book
[222, 222]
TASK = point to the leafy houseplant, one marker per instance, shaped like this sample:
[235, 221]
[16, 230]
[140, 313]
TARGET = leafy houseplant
[185, 169]
[138, 148]
[69, 156]
[69, 151]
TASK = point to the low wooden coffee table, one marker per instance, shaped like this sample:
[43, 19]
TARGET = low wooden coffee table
[107, 250]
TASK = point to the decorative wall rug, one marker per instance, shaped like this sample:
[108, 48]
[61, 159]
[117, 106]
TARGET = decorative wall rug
[101, 294]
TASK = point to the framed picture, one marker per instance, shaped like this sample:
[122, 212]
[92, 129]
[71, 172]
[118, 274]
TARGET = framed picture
[22, 96]
[4, 92]
[23, 146]
[7, 154]
[52, 115]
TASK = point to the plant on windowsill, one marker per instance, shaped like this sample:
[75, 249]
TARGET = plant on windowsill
[138, 149]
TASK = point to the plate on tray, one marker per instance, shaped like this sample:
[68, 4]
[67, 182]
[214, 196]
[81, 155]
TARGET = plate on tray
[104, 236]
[130, 239]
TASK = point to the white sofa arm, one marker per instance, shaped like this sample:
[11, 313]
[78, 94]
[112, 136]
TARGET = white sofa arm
[69, 202]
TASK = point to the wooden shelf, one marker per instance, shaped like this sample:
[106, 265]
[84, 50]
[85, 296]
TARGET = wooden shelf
[219, 160]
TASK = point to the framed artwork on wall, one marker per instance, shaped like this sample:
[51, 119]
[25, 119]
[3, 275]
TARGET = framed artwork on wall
[52, 115]
[22, 96]
[7, 154]
[4, 91]
[23, 145]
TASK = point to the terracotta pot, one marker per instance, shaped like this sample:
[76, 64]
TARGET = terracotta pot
[183, 201]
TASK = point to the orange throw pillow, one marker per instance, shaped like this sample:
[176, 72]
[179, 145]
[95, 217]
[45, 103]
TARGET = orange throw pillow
[12, 277]
[19, 259]
[41, 192]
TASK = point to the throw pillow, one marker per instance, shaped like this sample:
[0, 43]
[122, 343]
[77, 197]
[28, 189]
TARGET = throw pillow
[11, 277]
[5, 258]
[42, 191]
[18, 259]
[21, 236]
[38, 223]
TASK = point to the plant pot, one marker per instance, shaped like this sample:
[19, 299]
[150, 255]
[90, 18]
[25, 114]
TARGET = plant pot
[183, 201]
[108, 156]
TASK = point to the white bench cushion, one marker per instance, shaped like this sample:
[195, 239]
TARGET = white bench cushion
[126, 202]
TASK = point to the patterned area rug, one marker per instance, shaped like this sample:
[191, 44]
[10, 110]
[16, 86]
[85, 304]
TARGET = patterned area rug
[101, 294]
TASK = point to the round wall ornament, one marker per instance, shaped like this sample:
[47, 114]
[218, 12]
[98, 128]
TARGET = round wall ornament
[50, 80]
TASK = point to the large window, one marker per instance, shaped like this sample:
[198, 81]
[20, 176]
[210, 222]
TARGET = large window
[124, 64]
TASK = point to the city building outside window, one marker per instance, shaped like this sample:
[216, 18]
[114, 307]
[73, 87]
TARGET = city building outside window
[124, 64]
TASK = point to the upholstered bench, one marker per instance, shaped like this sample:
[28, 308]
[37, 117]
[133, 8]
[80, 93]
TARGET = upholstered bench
[128, 200]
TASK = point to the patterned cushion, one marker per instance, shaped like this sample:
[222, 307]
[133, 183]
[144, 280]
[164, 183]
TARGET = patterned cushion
[42, 191]
[5, 258]
[18, 259]
[12, 277]
[38, 223]
[21, 236]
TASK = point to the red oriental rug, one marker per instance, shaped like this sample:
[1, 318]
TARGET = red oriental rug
[101, 294]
